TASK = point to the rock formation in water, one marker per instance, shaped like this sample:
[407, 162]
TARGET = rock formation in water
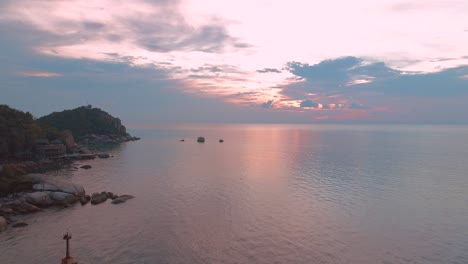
[122, 199]
[98, 198]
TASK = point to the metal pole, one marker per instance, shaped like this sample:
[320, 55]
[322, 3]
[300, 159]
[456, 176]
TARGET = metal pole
[68, 248]
[67, 237]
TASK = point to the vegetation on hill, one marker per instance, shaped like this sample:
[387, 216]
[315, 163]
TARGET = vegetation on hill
[18, 131]
[83, 121]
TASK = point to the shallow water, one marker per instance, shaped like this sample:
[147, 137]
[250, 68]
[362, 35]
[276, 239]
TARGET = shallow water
[268, 194]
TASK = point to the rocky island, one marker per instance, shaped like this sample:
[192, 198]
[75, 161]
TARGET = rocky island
[30, 146]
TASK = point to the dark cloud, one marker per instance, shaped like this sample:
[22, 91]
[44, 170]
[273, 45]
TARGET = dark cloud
[161, 28]
[266, 70]
[210, 38]
[439, 84]
[325, 106]
[357, 106]
[113, 37]
[339, 84]
[123, 58]
[332, 74]
[199, 76]
[165, 30]
[135, 94]
[443, 59]
[211, 69]
[309, 103]
[208, 68]
[89, 25]
[335, 76]
[267, 104]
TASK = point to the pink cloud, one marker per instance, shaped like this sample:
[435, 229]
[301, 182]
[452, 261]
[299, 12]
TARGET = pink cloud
[40, 74]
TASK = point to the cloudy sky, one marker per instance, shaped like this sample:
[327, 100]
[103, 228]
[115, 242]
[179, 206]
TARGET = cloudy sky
[151, 61]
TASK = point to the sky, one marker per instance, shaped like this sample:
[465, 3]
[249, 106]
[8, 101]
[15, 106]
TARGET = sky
[265, 61]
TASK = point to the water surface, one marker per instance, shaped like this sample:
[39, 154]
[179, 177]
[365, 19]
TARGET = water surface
[268, 194]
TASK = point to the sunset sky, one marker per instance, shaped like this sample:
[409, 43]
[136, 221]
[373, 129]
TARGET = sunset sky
[151, 61]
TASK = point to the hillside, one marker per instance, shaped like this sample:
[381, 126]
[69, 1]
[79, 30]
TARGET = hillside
[84, 121]
[18, 131]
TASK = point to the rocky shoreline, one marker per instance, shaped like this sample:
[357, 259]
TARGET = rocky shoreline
[24, 190]
[94, 140]
[47, 192]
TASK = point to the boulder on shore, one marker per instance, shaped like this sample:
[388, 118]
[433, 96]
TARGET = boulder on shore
[18, 207]
[122, 199]
[19, 225]
[39, 198]
[103, 155]
[111, 195]
[86, 167]
[59, 186]
[98, 198]
[63, 198]
[85, 199]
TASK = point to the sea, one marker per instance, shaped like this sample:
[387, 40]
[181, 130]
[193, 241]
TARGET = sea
[377, 194]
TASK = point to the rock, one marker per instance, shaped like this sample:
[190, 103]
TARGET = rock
[24, 208]
[63, 198]
[98, 198]
[103, 155]
[221, 141]
[39, 198]
[6, 210]
[3, 223]
[85, 199]
[112, 196]
[59, 186]
[39, 187]
[86, 167]
[182, 140]
[19, 225]
[67, 138]
[18, 207]
[37, 177]
[122, 199]
[70, 188]
[10, 219]
[200, 139]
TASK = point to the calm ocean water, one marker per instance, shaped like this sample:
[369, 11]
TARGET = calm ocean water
[268, 194]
